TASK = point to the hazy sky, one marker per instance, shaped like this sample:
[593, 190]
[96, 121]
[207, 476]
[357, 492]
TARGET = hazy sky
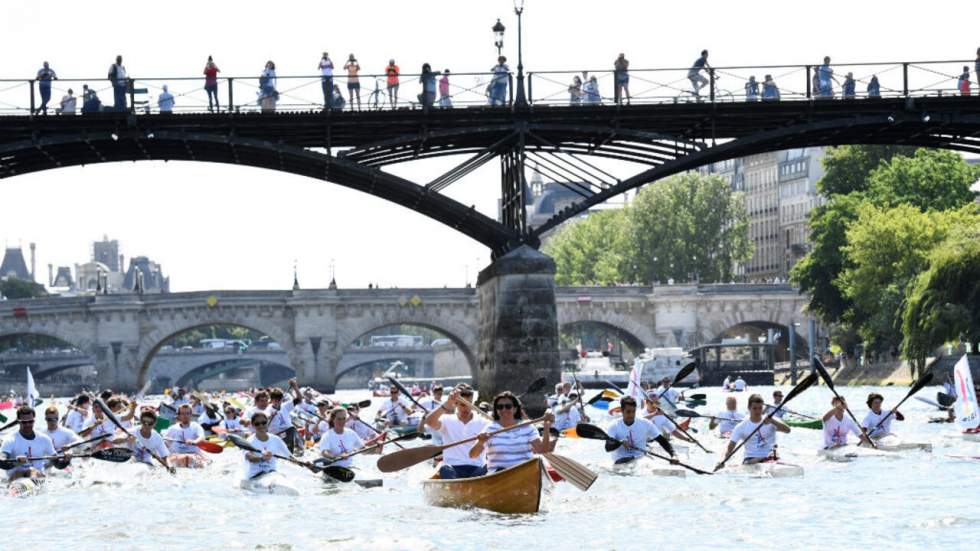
[226, 227]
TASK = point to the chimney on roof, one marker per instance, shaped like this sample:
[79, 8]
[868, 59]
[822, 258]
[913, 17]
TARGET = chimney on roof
[33, 260]
[122, 265]
[50, 275]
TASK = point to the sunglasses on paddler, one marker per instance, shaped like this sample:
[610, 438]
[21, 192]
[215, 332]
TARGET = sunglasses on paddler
[504, 406]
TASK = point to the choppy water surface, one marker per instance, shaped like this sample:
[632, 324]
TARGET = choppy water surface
[911, 500]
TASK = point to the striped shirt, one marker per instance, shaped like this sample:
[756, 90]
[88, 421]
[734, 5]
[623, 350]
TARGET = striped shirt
[509, 448]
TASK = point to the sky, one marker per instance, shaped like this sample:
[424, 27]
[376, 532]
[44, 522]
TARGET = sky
[227, 227]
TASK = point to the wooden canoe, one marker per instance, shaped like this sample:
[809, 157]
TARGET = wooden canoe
[514, 490]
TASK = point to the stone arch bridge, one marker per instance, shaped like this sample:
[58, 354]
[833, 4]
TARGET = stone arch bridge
[123, 333]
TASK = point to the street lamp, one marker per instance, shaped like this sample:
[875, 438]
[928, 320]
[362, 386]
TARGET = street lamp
[498, 36]
[520, 99]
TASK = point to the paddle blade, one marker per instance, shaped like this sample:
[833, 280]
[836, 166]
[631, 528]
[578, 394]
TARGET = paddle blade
[364, 404]
[612, 445]
[923, 381]
[818, 365]
[798, 389]
[685, 371]
[945, 400]
[575, 473]
[210, 447]
[6, 464]
[570, 433]
[697, 397]
[536, 386]
[585, 430]
[114, 455]
[687, 413]
[61, 463]
[342, 474]
[241, 442]
[601, 404]
[403, 459]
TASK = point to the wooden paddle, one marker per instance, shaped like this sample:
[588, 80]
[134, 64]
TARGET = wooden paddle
[340, 473]
[113, 455]
[593, 432]
[797, 390]
[923, 381]
[818, 365]
[115, 421]
[209, 447]
[403, 459]
[575, 473]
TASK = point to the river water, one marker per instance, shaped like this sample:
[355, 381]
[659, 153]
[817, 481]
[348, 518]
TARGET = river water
[907, 500]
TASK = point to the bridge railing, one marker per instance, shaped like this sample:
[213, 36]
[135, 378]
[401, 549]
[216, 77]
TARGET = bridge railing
[595, 87]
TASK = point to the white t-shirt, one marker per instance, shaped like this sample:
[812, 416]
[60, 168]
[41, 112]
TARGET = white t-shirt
[154, 444]
[396, 412]
[739, 384]
[16, 445]
[77, 420]
[105, 427]
[192, 432]
[326, 67]
[509, 448]
[664, 425]
[761, 443]
[280, 420]
[361, 428]
[778, 415]
[636, 436]
[230, 424]
[567, 419]
[871, 421]
[668, 397]
[341, 444]
[453, 430]
[430, 403]
[204, 419]
[251, 410]
[835, 431]
[273, 444]
[727, 420]
[60, 437]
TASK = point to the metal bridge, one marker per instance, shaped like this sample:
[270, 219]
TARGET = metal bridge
[664, 130]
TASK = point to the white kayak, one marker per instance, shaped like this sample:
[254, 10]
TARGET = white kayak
[971, 435]
[769, 469]
[644, 466]
[25, 487]
[269, 483]
[850, 452]
[891, 443]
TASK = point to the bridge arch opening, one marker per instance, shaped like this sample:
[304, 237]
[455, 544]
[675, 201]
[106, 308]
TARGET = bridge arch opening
[216, 356]
[412, 350]
[758, 331]
[58, 366]
[592, 337]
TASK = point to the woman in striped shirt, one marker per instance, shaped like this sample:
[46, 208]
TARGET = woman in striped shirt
[515, 446]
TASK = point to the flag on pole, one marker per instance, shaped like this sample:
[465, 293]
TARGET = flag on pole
[634, 388]
[965, 405]
[31, 391]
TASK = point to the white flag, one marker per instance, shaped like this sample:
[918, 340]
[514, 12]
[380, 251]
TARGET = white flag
[965, 405]
[634, 388]
[31, 391]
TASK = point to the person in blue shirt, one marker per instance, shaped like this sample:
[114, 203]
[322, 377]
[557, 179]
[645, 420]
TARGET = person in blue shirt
[770, 92]
[694, 74]
[752, 89]
[165, 101]
[825, 77]
[428, 80]
[874, 89]
[44, 77]
[90, 100]
[848, 89]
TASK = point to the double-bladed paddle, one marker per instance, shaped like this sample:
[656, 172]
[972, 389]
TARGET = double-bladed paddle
[113, 455]
[797, 390]
[695, 415]
[818, 365]
[593, 432]
[340, 473]
[115, 421]
[922, 382]
[535, 386]
[209, 447]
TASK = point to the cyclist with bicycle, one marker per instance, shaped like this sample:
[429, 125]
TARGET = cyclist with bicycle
[694, 74]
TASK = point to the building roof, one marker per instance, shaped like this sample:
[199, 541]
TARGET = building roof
[13, 265]
[63, 279]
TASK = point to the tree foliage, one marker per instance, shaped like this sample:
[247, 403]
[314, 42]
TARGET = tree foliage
[847, 167]
[15, 288]
[931, 179]
[685, 226]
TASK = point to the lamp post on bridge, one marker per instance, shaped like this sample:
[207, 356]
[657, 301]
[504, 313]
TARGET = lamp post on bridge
[498, 36]
[520, 96]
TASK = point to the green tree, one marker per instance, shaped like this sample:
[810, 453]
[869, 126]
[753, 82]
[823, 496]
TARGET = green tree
[931, 179]
[847, 167]
[686, 225]
[944, 303]
[588, 251]
[14, 288]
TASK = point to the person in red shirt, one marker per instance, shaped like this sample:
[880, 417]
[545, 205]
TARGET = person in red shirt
[392, 71]
[211, 84]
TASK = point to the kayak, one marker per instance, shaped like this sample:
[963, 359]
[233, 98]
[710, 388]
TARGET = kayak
[269, 483]
[25, 487]
[891, 443]
[510, 491]
[850, 452]
[803, 423]
[641, 466]
[768, 469]
[973, 435]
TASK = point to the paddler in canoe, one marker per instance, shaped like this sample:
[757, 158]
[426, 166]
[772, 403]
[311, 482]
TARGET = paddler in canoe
[836, 426]
[26, 444]
[182, 439]
[761, 446]
[728, 419]
[516, 446]
[455, 421]
[878, 422]
[634, 433]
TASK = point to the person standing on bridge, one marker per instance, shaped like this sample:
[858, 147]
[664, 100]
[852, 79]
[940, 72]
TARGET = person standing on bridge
[166, 101]
[848, 90]
[694, 74]
[90, 100]
[498, 83]
[445, 98]
[392, 71]
[770, 92]
[326, 79]
[591, 90]
[211, 84]
[353, 82]
[44, 77]
[825, 78]
[428, 81]
[68, 103]
[963, 84]
[575, 91]
[752, 89]
[120, 83]
[874, 89]
[267, 88]
[622, 78]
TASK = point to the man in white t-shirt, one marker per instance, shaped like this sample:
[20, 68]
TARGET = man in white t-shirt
[759, 445]
[182, 439]
[396, 410]
[26, 444]
[668, 396]
[145, 442]
[777, 398]
[260, 404]
[634, 433]
[836, 426]
[656, 416]
[268, 446]
[878, 423]
[78, 416]
[567, 415]
[281, 423]
[60, 436]
[456, 461]
[739, 385]
[726, 420]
